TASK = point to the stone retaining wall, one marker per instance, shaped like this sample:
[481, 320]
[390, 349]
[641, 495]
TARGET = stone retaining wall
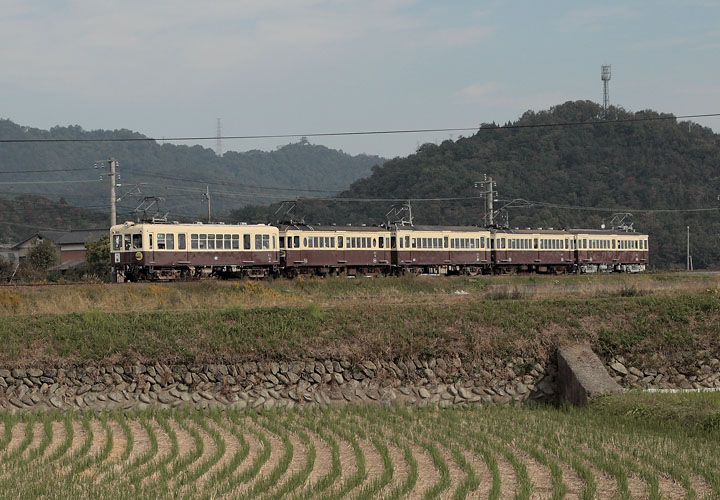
[440, 381]
[430, 381]
[702, 374]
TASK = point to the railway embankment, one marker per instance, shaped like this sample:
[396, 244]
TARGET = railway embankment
[284, 344]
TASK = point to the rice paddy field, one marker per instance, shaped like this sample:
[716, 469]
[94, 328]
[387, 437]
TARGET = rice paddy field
[636, 446]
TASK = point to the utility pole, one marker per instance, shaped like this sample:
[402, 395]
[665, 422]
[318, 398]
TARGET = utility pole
[488, 193]
[688, 264]
[112, 164]
[113, 203]
[207, 197]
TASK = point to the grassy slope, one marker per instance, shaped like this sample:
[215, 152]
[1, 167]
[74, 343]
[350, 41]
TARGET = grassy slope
[210, 322]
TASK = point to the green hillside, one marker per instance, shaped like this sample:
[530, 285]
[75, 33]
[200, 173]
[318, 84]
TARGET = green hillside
[619, 165]
[25, 215]
[176, 172]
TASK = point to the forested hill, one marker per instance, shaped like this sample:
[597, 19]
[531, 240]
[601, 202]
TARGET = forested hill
[26, 215]
[630, 166]
[176, 172]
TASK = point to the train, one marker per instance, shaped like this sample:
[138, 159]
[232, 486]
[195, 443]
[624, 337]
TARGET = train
[162, 251]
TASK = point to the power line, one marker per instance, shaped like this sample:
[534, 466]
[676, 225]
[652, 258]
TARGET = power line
[43, 171]
[367, 132]
[221, 183]
[47, 182]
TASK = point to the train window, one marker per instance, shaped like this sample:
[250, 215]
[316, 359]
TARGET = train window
[646, 243]
[150, 240]
[127, 241]
[320, 242]
[289, 241]
[340, 241]
[296, 241]
[613, 244]
[117, 242]
[161, 241]
[266, 242]
[169, 241]
[181, 242]
[136, 241]
[203, 241]
[445, 242]
[414, 243]
[407, 241]
[535, 243]
[305, 242]
[227, 245]
[211, 241]
[374, 242]
[282, 241]
[331, 239]
[258, 242]
[452, 243]
[236, 241]
[382, 242]
[482, 242]
[246, 242]
[393, 241]
[274, 246]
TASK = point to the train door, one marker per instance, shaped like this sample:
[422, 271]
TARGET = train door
[501, 252]
[339, 251]
[149, 250]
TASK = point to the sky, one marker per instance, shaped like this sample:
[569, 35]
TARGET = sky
[172, 68]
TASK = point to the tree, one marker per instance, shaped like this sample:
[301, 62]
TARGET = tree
[43, 255]
[97, 257]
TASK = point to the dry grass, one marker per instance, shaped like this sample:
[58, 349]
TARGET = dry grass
[213, 295]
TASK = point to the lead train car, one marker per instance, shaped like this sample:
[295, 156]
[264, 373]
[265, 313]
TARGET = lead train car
[146, 251]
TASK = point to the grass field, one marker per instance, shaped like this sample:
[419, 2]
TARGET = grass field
[622, 447]
[356, 319]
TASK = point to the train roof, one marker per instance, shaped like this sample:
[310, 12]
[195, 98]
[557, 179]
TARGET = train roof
[532, 231]
[606, 232]
[194, 225]
[310, 227]
[441, 228]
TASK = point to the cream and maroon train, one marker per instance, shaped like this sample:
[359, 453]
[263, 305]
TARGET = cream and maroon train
[149, 251]
[146, 251]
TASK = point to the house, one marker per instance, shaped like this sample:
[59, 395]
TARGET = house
[70, 244]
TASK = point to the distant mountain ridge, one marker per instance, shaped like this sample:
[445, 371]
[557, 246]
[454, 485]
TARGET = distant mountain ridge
[167, 170]
[635, 166]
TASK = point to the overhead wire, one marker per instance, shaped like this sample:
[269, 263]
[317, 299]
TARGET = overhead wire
[365, 132]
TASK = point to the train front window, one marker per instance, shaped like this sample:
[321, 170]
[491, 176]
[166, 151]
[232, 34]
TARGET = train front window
[137, 241]
[117, 242]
